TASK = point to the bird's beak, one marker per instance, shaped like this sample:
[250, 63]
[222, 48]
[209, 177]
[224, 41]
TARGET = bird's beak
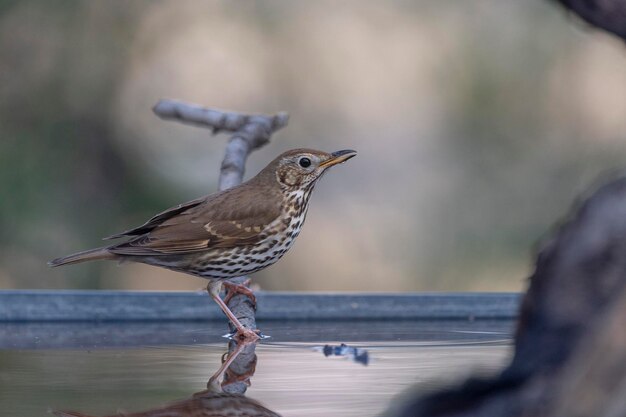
[338, 157]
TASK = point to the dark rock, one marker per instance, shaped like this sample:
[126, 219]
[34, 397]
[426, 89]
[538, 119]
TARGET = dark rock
[570, 345]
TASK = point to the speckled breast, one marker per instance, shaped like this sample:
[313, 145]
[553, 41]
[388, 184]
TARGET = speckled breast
[244, 260]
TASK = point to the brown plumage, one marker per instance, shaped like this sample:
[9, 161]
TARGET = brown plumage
[230, 233]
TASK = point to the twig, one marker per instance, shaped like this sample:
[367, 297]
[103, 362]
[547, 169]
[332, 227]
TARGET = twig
[218, 120]
[250, 132]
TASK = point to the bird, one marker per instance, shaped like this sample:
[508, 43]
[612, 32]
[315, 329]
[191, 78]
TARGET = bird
[230, 233]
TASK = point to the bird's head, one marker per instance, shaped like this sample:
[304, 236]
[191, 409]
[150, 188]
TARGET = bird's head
[300, 167]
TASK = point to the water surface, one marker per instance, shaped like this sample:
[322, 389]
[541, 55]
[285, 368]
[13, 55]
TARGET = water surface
[108, 368]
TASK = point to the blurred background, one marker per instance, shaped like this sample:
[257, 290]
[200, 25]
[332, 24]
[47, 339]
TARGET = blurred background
[477, 125]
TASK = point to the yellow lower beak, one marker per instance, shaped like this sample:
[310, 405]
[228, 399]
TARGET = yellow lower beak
[338, 157]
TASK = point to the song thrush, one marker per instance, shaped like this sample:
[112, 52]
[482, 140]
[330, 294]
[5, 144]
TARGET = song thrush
[230, 233]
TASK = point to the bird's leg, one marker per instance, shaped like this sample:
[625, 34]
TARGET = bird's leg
[244, 334]
[214, 381]
[233, 289]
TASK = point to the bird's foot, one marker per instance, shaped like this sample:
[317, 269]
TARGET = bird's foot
[232, 378]
[234, 289]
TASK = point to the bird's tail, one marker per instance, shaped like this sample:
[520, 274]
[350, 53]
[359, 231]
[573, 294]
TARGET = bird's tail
[88, 255]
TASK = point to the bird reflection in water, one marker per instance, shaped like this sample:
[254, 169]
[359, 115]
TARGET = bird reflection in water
[224, 396]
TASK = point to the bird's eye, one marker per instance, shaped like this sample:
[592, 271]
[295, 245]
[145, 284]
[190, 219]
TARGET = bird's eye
[304, 162]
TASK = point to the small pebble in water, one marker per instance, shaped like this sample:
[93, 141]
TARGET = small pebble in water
[358, 355]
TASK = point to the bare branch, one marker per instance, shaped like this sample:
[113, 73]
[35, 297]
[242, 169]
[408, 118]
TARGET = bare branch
[218, 120]
[234, 162]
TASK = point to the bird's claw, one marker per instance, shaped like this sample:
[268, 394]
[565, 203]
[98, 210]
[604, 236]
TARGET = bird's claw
[234, 289]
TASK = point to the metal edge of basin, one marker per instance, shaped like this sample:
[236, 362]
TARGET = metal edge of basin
[102, 305]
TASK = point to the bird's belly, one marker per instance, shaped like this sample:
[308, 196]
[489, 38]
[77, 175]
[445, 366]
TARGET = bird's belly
[235, 262]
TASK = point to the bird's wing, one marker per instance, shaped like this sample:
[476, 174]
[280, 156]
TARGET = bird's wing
[224, 220]
[158, 219]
